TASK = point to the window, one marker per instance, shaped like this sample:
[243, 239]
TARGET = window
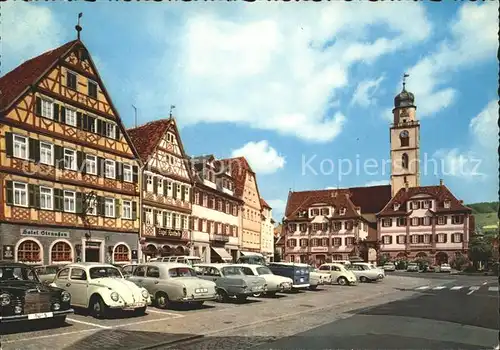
[29, 251]
[149, 183]
[426, 204]
[404, 138]
[127, 173]
[293, 227]
[414, 239]
[227, 208]
[401, 221]
[168, 216]
[153, 272]
[415, 205]
[78, 274]
[71, 80]
[457, 219]
[304, 242]
[348, 225]
[337, 242]
[148, 216]
[20, 194]
[447, 204]
[61, 251]
[109, 207]
[427, 239]
[20, 147]
[185, 222]
[197, 198]
[178, 191]
[92, 89]
[441, 220]
[109, 169]
[121, 253]
[316, 227]
[91, 206]
[386, 222]
[175, 218]
[404, 161]
[169, 189]
[46, 199]
[91, 164]
[414, 221]
[401, 239]
[170, 137]
[396, 206]
[127, 209]
[325, 211]
[186, 194]
[159, 219]
[350, 240]
[342, 211]
[69, 201]
[427, 220]
[441, 238]
[47, 109]
[69, 159]
[219, 205]
[205, 200]
[46, 153]
[70, 117]
[110, 130]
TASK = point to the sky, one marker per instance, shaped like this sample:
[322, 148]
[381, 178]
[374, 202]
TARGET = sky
[304, 91]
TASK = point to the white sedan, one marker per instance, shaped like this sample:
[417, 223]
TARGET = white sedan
[275, 283]
[445, 268]
[366, 272]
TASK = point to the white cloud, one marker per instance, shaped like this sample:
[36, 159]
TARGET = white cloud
[278, 206]
[20, 39]
[363, 95]
[463, 165]
[484, 127]
[465, 48]
[377, 183]
[269, 67]
[263, 158]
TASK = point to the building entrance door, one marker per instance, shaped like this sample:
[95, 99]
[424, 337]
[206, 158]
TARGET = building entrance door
[92, 252]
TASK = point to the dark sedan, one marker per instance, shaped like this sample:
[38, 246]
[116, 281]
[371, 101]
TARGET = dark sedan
[24, 298]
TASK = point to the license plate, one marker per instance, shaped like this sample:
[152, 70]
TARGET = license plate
[301, 280]
[201, 290]
[40, 315]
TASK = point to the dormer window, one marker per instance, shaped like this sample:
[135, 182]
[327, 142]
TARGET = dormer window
[447, 204]
[325, 211]
[396, 206]
[342, 211]
[426, 204]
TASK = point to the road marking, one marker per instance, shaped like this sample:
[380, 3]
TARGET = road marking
[472, 290]
[87, 323]
[439, 288]
[456, 288]
[164, 313]
[493, 289]
[485, 283]
[147, 321]
[422, 288]
[47, 336]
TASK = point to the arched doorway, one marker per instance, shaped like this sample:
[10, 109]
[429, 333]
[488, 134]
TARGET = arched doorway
[179, 250]
[441, 258]
[150, 251]
[421, 255]
[121, 253]
[166, 250]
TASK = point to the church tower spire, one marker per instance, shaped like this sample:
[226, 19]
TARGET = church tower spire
[405, 142]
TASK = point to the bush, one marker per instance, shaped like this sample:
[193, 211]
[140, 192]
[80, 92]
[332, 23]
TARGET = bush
[401, 264]
[459, 262]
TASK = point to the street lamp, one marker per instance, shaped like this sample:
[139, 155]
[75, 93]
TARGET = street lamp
[88, 204]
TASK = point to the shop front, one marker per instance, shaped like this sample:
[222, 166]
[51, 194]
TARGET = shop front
[48, 245]
[165, 242]
[219, 252]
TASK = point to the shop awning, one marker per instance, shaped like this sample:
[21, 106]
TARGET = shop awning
[222, 253]
[251, 253]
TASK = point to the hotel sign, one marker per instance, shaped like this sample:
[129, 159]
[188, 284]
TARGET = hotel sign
[162, 232]
[319, 249]
[44, 233]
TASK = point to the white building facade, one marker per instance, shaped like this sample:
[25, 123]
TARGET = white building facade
[267, 232]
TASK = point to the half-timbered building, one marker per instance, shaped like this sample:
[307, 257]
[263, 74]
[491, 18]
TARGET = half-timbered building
[216, 211]
[166, 189]
[68, 171]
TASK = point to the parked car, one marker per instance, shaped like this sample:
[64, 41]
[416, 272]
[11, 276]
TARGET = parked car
[389, 267]
[101, 288]
[47, 273]
[339, 273]
[412, 267]
[444, 268]
[128, 270]
[230, 281]
[173, 283]
[366, 272]
[253, 259]
[298, 273]
[274, 282]
[24, 298]
[324, 278]
[315, 278]
[181, 259]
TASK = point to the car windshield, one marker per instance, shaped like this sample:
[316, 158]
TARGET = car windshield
[182, 272]
[192, 261]
[264, 271]
[104, 271]
[389, 264]
[17, 273]
[232, 271]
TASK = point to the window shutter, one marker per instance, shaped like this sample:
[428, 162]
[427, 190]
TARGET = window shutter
[56, 112]
[32, 192]
[38, 106]
[119, 171]
[62, 115]
[80, 161]
[85, 122]
[183, 196]
[452, 238]
[10, 192]
[461, 237]
[135, 172]
[117, 132]
[58, 199]
[79, 203]
[164, 219]
[117, 208]
[145, 182]
[155, 185]
[390, 239]
[134, 210]
[59, 156]
[101, 126]
[34, 150]
[9, 144]
[174, 190]
[101, 208]
[79, 121]
[165, 187]
[100, 166]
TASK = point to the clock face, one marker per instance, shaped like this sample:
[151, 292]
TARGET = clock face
[404, 134]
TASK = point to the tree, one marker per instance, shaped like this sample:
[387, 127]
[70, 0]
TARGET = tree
[480, 250]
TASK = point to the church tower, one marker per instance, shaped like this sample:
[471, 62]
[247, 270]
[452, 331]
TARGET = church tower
[405, 142]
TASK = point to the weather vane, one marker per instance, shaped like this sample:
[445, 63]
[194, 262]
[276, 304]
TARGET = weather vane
[406, 75]
[172, 107]
[78, 27]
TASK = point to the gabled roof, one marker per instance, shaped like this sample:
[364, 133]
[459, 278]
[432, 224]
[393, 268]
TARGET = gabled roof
[263, 203]
[15, 83]
[371, 199]
[239, 168]
[440, 193]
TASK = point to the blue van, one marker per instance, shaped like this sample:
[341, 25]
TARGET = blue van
[297, 272]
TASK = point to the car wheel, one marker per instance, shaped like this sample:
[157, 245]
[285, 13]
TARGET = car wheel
[313, 287]
[256, 295]
[59, 321]
[97, 307]
[221, 296]
[161, 300]
[342, 281]
[140, 311]
[363, 279]
[241, 298]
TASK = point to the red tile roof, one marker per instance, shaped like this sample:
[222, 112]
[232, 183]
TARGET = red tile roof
[370, 199]
[17, 81]
[147, 137]
[239, 168]
[263, 203]
[439, 193]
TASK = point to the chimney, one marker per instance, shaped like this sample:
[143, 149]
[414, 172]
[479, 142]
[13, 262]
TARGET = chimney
[441, 182]
[406, 186]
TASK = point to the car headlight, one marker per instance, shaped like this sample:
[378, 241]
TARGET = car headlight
[115, 296]
[4, 299]
[145, 294]
[65, 297]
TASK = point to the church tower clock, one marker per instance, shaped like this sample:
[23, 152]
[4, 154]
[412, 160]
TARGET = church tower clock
[405, 142]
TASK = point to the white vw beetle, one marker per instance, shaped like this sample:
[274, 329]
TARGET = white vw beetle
[274, 282]
[173, 283]
[101, 287]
